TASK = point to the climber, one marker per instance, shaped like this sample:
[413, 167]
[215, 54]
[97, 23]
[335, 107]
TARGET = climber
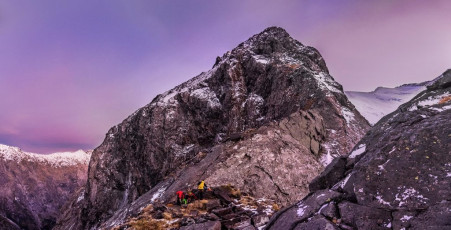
[200, 188]
[180, 197]
[191, 196]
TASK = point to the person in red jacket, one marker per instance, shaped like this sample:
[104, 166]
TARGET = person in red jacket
[180, 197]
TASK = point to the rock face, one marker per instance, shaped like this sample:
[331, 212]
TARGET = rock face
[398, 176]
[266, 117]
[34, 187]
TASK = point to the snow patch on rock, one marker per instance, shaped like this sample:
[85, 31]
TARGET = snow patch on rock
[348, 115]
[325, 82]
[430, 101]
[158, 194]
[206, 94]
[361, 149]
[261, 59]
[301, 209]
[409, 194]
[405, 218]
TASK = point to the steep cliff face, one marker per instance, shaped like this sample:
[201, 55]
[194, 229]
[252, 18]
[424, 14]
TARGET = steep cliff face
[267, 110]
[34, 187]
[397, 177]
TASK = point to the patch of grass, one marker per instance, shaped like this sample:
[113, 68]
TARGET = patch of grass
[275, 207]
[147, 224]
[249, 201]
[232, 191]
[445, 99]
[147, 209]
[167, 216]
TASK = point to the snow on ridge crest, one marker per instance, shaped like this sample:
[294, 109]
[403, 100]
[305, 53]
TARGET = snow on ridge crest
[429, 102]
[326, 82]
[58, 159]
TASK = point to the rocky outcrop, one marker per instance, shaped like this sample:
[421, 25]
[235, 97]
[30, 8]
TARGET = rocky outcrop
[34, 187]
[397, 177]
[268, 162]
[223, 208]
[266, 117]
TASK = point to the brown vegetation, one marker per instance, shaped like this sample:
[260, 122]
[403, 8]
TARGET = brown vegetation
[445, 99]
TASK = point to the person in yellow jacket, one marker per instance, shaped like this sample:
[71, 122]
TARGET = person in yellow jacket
[200, 188]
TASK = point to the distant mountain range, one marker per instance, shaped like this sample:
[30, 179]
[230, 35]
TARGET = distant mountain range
[382, 101]
[34, 187]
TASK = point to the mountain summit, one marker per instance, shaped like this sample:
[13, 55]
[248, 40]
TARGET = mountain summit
[266, 118]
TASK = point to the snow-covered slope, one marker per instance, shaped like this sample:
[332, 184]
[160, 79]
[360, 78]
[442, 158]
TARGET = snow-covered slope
[382, 101]
[59, 159]
[34, 187]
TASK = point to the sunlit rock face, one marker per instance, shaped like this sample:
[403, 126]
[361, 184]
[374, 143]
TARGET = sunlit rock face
[267, 118]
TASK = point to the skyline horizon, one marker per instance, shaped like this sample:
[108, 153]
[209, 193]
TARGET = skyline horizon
[71, 70]
[65, 150]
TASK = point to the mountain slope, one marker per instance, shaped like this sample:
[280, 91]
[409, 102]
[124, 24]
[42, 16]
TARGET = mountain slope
[33, 187]
[397, 177]
[382, 101]
[265, 118]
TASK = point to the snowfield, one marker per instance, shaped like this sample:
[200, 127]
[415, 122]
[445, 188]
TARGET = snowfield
[382, 101]
[60, 159]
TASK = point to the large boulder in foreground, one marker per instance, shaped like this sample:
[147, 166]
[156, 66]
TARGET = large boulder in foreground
[397, 177]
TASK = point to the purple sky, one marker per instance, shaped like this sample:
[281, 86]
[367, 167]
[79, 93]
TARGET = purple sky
[69, 70]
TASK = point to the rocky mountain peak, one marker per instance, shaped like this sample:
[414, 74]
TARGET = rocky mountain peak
[271, 40]
[266, 118]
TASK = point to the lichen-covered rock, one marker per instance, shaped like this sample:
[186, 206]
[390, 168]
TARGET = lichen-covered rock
[397, 176]
[363, 217]
[434, 218]
[267, 117]
[300, 212]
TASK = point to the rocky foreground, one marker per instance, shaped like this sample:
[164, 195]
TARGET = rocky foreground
[266, 118]
[397, 177]
[222, 208]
